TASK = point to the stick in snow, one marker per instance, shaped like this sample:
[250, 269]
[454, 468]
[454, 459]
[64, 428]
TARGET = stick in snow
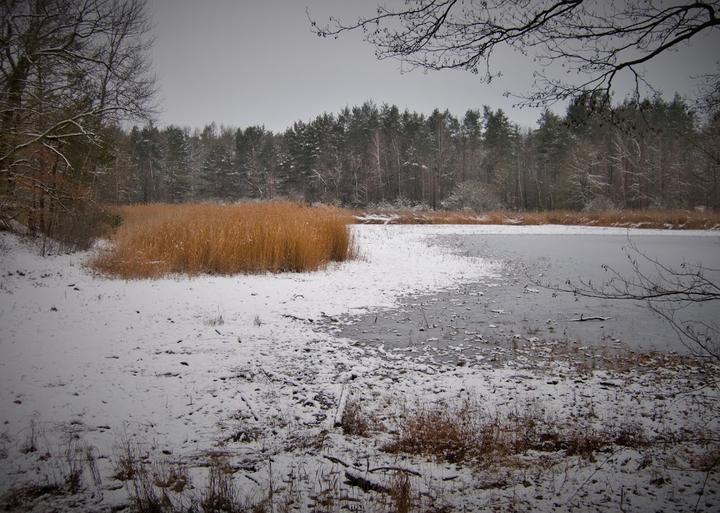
[597, 469]
[341, 406]
[592, 318]
[336, 460]
[251, 479]
[396, 469]
[249, 408]
[296, 318]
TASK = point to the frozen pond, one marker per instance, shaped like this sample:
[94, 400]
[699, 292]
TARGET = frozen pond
[189, 370]
[490, 317]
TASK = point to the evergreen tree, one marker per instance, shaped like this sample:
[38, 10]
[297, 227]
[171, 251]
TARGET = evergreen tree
[176, 164]
[146, 151]
[497, 164]
[248, 148]
[392, 157]
[551, 144]
[219, 175]
[471, 145]
[302, 156]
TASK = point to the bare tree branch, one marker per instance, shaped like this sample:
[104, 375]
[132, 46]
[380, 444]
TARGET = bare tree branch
[593, 39]
[68, 68]
[667, 291]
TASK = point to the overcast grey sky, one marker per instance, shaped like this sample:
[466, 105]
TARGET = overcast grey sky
[256, 62]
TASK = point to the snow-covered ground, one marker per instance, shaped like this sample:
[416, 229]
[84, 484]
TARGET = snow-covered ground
[185, 368]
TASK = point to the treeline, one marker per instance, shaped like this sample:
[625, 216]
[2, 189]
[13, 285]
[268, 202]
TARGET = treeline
[73, 72]
[653, 154]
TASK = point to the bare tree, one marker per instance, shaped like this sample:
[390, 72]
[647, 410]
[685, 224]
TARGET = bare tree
[594, 40]
[68, 69]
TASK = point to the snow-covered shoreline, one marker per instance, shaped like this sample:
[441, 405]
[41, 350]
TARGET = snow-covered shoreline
[180, 364]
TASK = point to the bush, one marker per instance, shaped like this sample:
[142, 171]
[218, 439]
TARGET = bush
[599, 204]
[473, 195]
[399, 204]
[78, 227]
[71, 225]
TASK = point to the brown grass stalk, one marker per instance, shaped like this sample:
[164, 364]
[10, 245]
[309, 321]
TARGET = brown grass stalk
[159, 239]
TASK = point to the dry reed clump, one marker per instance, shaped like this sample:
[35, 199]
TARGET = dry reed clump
[159, 239]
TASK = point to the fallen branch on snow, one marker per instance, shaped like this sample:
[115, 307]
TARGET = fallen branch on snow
[592, 318]
[296, 318]
[249, 408]
[363, 483]
[336, 460]
[341, 406]
[396, 469]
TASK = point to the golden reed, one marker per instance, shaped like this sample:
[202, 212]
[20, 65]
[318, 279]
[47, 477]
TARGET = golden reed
[160, 239]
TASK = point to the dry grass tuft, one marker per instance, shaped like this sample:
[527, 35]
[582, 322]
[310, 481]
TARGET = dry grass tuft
[221, 494]
[354, 421]
[23, 497]
[447, 434]
[159, 239]
[709, 460]
[466, 434]
[165, 486]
